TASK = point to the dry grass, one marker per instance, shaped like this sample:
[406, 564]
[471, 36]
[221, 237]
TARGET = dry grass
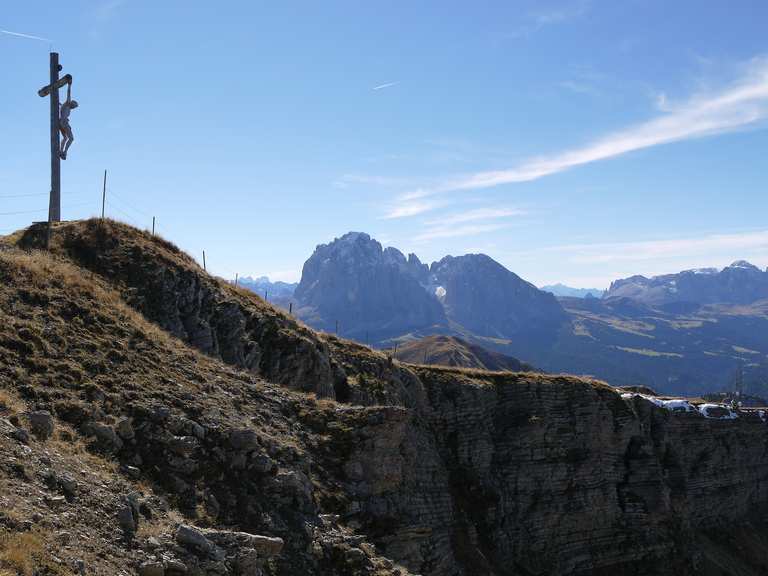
[10, 404]
[27, 554]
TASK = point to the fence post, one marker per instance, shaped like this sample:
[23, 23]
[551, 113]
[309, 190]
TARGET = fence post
[204, 269]
[153, 225]
[103, 194]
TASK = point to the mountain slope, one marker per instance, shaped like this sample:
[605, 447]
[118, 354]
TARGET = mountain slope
[453, 351]
[160, 430]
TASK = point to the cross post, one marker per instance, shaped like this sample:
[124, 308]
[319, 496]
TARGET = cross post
[52, 90]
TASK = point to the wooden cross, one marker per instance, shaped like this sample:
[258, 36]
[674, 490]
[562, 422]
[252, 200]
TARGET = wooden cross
[52, 90]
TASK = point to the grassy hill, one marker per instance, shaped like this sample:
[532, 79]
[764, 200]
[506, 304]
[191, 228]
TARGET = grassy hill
[453, 351]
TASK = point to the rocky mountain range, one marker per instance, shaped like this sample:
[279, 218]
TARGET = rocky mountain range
[739, 283]
[263, 286]
[680, 333]
[156, 420]
[563, 290]
[380, 294]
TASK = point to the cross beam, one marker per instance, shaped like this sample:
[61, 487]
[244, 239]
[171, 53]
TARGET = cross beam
[52, 90]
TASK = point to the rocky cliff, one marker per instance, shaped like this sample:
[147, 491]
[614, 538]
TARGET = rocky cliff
[128, 444]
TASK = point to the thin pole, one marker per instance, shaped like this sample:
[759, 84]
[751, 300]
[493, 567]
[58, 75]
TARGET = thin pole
[337, 327]
[153, 225]
[54, 205]
[290, 307]
[204, 261]
[266, 296]
[103, 194]
[235, 278]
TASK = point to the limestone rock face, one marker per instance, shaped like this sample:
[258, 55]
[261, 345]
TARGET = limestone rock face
[521, 475]
[366, 288]
[489, 300]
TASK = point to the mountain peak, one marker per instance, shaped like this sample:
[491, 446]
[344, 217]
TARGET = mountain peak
[743, 265]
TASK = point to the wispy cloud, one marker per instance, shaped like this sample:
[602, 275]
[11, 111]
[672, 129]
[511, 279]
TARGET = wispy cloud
[28, 36]
[467, 223]
[539, 19]
[408, 208]
[447, 231]
[102, 14]
[386, 85]
[475, 215]
[737, 107]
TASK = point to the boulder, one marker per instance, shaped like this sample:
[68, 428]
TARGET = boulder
[191, 537]
[41, 424]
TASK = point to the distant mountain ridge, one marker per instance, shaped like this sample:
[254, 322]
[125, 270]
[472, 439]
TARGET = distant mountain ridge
[739, 283]
[262, 285]
[561, 290]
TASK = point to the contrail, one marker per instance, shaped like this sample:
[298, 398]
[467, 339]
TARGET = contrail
[387, 85]
[20, 35]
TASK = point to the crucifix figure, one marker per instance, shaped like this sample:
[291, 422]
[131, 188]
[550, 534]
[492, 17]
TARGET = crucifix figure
[64, 127]
[59, 123]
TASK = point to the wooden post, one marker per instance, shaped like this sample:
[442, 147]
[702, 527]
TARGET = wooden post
[54, 204]
[290, 307]
[204, 269]
[103, 194]
[153, 225]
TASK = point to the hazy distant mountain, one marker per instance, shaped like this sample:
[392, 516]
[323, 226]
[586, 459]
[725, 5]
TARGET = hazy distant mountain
[739, 283]
[368, 290]
[262, 286]
[563, 290]
[453, 351]
[488, 300]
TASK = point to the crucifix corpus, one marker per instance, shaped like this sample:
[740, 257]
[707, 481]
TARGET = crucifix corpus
[59, 124]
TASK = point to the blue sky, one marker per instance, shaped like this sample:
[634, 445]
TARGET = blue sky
[575, 141]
